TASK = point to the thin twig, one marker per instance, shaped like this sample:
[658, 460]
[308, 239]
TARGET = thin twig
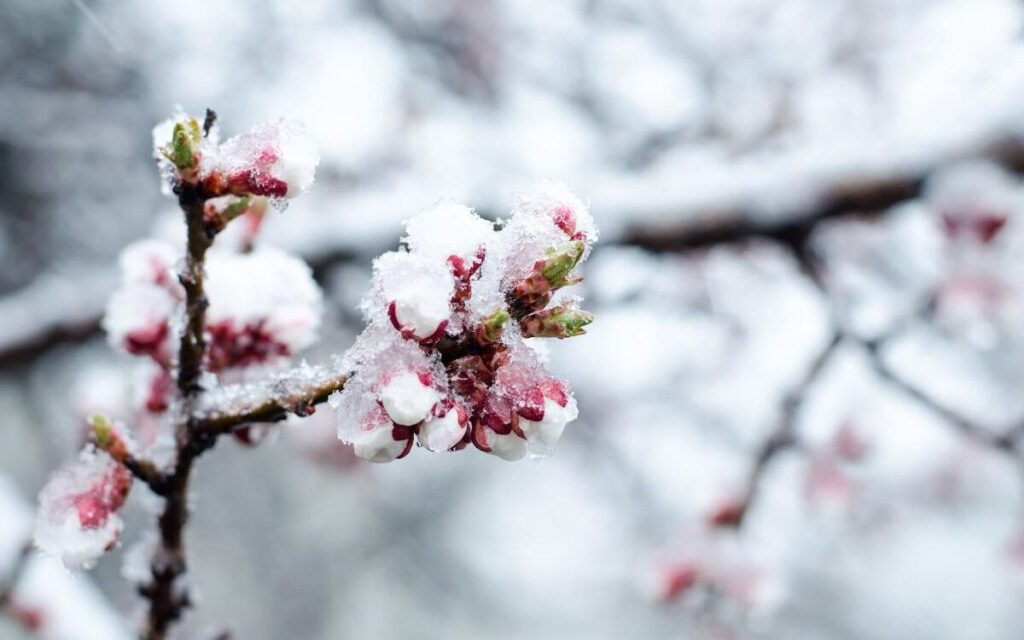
[1006, 442]
[782, 438]
[271, 409]
[168, 596]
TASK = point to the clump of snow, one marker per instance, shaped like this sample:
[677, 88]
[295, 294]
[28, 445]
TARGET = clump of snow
[447, 229]
[77, 518]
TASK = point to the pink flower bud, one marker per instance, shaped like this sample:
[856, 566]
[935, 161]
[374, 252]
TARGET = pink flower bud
[380, 440]
[729, 513]
[417, 321]
[544, 410]
[408, 398]
[445, 427]
[677, 580]
[229, 346]
[76, 518]
[149, 341]
[276, 160]
[509, 446]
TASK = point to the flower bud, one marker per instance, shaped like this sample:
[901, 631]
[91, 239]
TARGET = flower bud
[728, 513]
[251, 435]
[548, 429]
[445, 427]
[178, 141]
[509, 446]
[408, 398]
[380, 440]
[106, 438]
[380, 446]
[491, 327]
[218, 212]
[563, 321]
[415, 318]
[550, 274]
[677, 580]
[276, 160]
[77, 508]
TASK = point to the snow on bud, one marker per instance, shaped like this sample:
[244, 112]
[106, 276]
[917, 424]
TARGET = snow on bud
[264, 305]
[275, 159]
[408, 398]
[541, 402]
[77, 517]
[138, 314]
[444, 428]
[554, 203]
[136, 320]
[414, 292]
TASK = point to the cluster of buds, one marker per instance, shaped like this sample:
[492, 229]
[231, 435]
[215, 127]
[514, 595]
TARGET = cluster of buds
[447, 360]
[264, 308]
[264, 304]
[77, 517]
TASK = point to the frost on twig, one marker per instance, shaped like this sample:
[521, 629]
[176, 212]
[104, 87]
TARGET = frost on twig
[296, 391]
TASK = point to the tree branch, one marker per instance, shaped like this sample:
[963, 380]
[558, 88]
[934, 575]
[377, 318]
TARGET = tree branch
[168, 596]
[1006, 443]
[272, 408]
[781, 439]
[845, 196]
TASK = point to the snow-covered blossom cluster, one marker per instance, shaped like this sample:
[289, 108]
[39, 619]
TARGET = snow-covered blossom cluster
[77, 518]
[448, 357]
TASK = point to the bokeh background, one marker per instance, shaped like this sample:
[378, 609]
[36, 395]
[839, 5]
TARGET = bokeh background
[811, 235]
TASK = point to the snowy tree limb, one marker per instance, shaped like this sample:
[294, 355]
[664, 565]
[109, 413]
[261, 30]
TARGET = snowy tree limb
[272, 408]
[840, 198]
